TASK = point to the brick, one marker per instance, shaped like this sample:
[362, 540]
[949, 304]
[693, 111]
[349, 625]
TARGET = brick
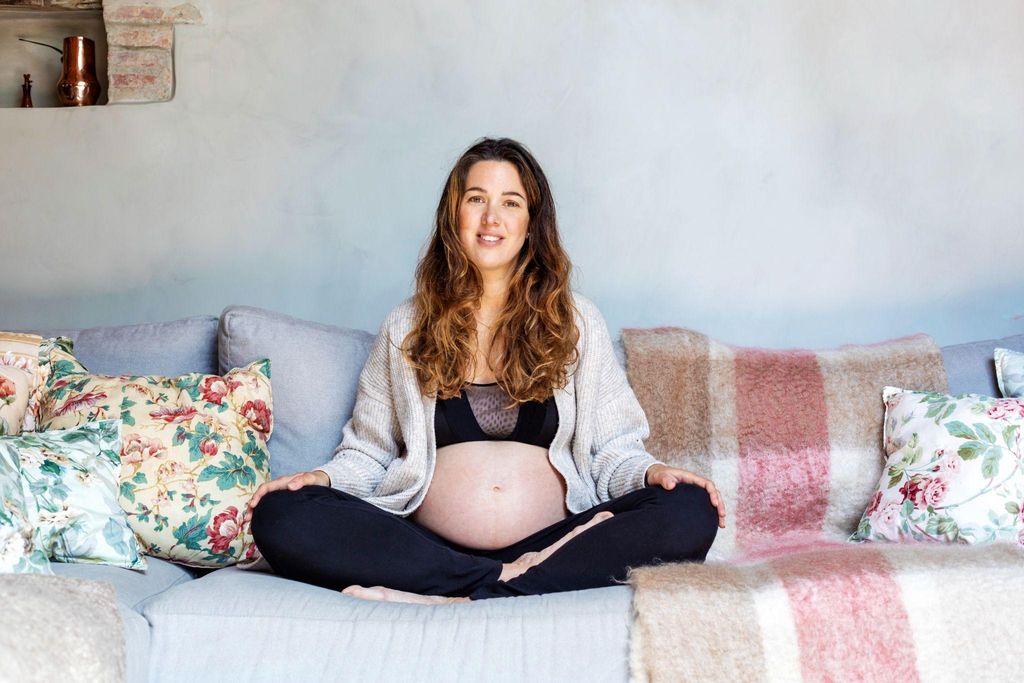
[129, 35]
[140, 88]
[138, 60]
[148, 14]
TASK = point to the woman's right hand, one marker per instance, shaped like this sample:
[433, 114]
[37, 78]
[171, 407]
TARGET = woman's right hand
[292, 482]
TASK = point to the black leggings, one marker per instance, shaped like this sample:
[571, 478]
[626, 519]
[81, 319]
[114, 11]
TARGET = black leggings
[330, 538]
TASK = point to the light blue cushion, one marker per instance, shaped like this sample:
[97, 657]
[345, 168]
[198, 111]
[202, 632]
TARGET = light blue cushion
[315, 374]
[281, 630]
[970, 368]
[167, 348]
[133, 588]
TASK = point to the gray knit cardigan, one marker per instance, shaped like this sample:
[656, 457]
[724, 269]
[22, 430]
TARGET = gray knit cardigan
[387, 451]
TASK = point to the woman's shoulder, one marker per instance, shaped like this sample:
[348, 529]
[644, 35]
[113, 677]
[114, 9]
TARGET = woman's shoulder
[589, 315]
[400, 318]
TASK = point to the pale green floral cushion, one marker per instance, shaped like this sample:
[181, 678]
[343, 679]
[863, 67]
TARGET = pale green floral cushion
[1010, 373]
[955, 470]
[72, 477]
[18, 550]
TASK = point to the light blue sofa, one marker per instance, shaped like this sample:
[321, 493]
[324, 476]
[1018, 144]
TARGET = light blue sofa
[184, 624]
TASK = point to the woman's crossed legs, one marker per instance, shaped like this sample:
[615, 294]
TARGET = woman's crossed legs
[330, 538]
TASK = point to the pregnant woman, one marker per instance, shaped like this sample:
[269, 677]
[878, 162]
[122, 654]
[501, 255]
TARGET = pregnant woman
[495, 448]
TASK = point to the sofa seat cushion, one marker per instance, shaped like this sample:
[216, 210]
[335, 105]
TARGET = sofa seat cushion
[278, 629]
[132, 586]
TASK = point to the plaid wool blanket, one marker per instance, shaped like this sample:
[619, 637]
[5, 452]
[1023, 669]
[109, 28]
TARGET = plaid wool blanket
[793, 441]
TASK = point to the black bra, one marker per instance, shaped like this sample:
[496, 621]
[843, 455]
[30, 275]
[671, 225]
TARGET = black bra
[454, 422]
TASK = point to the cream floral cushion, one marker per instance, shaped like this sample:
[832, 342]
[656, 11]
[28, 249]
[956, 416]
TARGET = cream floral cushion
[1010, 372]
[70, 477]
[955, 470]
[19, 552]
[19, 377]
[194, 449]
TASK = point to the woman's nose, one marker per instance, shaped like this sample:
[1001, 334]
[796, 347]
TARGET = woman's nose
[490, 217]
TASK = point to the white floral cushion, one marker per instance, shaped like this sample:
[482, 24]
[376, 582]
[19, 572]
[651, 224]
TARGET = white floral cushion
[1010, 372]
[71, 477]
[955, 470]
[18, 550]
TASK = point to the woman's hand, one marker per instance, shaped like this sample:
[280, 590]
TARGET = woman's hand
[292, 482]
[667, 477]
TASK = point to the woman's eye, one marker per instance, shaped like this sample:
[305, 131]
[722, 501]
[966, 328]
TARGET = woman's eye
[514, 204]
[473, 199]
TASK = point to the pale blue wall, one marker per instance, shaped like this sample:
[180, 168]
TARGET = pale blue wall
[780, 173]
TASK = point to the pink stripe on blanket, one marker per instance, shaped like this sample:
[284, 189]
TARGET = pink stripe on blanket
[782, 433]
[850, 621]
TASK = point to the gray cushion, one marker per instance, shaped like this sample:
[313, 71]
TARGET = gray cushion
[970, 368]
[166, 348]
[314, 372]
[282, 630]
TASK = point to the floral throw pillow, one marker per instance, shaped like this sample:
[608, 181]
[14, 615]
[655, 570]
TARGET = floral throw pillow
[19, 377]
[70, 477]
[193, 451]
[1010, 372]
[18, 549]
[955, 470]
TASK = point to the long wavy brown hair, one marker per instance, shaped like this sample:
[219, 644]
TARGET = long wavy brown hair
[537, 328]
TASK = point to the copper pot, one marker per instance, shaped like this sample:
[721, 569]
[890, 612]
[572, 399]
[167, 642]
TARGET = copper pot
[78, 85]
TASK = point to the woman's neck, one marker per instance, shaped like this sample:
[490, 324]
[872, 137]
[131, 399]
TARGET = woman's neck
[493, 299]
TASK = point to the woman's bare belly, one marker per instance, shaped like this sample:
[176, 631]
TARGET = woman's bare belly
[490, 494]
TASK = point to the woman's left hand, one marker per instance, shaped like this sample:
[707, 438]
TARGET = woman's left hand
[667, 477]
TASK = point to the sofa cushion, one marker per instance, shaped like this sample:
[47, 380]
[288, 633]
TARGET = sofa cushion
[194, 449]
[316, 371]
[280, 629]
[1010, 372]
[952, 473]
[164, 348]
[132, 588]
[22, 549]
[19, 376]
[970, 368]
[70, 478]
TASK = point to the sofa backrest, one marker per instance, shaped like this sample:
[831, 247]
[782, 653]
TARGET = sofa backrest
[314, 371]
[970, 368]
[315, 367]
[165, 348]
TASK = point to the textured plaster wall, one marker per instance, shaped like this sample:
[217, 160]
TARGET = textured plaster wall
[781, 173]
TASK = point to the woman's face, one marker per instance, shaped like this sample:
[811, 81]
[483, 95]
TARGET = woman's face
[493, 216]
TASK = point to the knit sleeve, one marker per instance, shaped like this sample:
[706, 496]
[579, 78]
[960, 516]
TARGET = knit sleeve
[371, 439]
[619, 460]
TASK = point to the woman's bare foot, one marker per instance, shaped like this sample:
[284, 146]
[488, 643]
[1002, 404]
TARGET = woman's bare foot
[527, 560]
[394, 595]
